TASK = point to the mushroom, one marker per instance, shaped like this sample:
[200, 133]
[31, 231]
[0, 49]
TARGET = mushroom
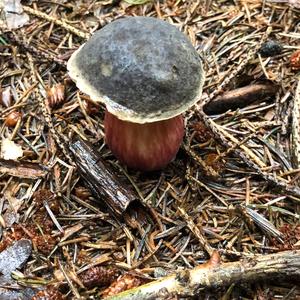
[147, 73]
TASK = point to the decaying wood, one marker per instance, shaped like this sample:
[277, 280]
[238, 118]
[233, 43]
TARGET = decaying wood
[22, 169]
[190, 282]
[101, 179]
[240, 97]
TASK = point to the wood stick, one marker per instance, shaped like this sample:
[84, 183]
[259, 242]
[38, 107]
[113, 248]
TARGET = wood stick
[22, 169]
[190, 282]
[60, 22]
[296, 127]
[196, 231]
[100, 179]
[240, 97]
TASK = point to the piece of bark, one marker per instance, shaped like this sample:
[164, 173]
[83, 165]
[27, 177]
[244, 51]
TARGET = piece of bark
[22, 169]
[14, 257]
[295, 147]
[190, 282]
[10, 259]
[240, 97]
[100, 179]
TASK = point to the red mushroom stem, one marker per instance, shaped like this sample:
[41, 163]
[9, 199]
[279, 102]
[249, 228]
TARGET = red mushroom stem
[145, 147]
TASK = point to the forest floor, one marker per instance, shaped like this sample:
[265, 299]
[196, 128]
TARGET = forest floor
[233, 187]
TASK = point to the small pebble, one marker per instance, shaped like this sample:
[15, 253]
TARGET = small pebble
[270, 48]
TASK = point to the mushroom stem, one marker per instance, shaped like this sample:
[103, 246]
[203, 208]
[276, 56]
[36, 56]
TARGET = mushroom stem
[145, 147]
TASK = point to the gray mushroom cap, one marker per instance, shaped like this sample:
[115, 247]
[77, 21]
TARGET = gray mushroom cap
[142, 68]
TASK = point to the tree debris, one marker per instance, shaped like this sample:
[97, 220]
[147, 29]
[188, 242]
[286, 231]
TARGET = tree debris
[11, 259]
[49, 293]
[296, 127]
[22, 169]
[189, 282]
[243, 157]
[55, 95]
[100, 179]
[123, 283]
[99, 276]
[240, 98]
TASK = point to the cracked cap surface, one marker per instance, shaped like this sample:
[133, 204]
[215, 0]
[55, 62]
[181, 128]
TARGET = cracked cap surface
[142, 68]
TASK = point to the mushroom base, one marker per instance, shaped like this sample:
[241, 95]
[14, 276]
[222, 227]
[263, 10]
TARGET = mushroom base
[145, 147]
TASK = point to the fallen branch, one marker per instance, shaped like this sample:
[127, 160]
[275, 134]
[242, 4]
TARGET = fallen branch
[100, 179]
[191, 282]
[239, 98]
[22, 169]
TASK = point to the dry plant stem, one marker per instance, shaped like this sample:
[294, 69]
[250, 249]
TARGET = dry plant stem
[208, 170]
[191, 282]
[60, 139]
[239, 98]
[60, 22]
[265, 225]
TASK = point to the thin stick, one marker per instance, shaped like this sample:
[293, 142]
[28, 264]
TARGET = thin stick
[240, 97]
[61, 22]
[196, 231]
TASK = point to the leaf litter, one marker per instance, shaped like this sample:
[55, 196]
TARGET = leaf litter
[245, 156]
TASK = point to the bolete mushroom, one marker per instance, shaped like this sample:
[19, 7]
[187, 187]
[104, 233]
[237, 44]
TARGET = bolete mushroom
[147, 73]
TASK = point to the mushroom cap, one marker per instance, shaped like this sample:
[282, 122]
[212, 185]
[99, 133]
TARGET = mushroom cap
[142, 68]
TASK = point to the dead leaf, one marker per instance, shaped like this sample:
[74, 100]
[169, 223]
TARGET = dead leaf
[10, 150]
[12, 15]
